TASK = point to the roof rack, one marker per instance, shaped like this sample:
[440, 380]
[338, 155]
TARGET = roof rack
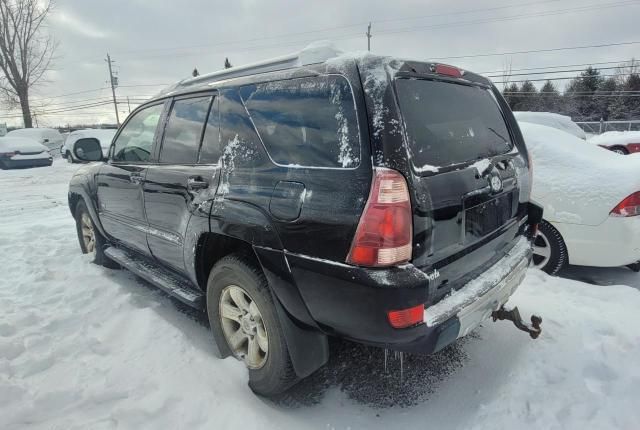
[315, 53]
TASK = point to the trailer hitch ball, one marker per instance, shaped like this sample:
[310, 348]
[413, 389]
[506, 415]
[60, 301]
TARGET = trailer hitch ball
[513, 315]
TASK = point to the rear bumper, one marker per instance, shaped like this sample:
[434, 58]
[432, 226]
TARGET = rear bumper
[353, 302]
[615, 242]
[12, 163]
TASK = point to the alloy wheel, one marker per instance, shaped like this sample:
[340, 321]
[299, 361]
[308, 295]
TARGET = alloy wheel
[88, 234]
[541, 250]
[243, 327]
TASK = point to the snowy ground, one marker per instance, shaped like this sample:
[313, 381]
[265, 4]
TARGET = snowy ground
[83, 347]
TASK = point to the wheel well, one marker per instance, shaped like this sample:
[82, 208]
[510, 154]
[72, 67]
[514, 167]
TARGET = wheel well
[622, 148]
[212, 247]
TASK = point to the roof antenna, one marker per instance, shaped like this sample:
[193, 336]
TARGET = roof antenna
[195, 72]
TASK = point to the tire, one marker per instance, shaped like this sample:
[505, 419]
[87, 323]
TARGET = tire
[619, 150]
[549, 250]
[69, 157]
[270, 373]
[85, 226]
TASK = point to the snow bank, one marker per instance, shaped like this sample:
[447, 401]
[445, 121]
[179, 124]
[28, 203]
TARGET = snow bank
[553, 120]
[83, 347]
[611, 138]
[577, 182]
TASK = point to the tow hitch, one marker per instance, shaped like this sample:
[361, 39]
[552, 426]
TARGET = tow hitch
[513, 315]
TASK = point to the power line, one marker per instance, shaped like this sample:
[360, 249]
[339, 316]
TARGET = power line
[561, 79]
[549, 72]
[621, 62]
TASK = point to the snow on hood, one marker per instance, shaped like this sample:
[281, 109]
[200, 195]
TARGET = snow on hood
[577, 183]
[610, 138]
[22, 144]
[554, 120]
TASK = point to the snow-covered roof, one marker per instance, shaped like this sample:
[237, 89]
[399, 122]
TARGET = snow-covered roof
[13, 143]
[555, 120]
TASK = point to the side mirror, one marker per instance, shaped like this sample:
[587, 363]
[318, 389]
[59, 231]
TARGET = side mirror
[88, 149]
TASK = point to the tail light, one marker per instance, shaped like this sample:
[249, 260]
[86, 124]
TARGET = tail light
[384, 234]
[628, 207]
[406, 317]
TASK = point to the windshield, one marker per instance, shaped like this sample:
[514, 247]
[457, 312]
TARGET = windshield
[450, 123]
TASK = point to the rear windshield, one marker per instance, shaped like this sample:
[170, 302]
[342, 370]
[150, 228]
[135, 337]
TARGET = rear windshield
[450, 123]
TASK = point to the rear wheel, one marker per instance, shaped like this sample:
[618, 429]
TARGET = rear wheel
[69, 158]
[549, 251]
[245, 324]
[91, 240]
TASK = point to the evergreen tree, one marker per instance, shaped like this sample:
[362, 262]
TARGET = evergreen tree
[603, 98]
[578, 99]
[528, 100]
[549, 98]
[511, 95]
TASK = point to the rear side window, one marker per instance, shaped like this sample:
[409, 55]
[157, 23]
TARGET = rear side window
[135, 141]
[307, 121]
[183, 131]
[450, 123]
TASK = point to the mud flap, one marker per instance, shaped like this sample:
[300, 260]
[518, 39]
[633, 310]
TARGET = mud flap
[308, 349]
[513, 315]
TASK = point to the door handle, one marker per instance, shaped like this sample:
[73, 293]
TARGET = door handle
[197, 183]
[135, 177]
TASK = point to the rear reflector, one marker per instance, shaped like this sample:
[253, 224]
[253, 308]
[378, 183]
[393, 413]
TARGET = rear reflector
[447, 70]
[406, 317]
[384, 234]
[628, 207]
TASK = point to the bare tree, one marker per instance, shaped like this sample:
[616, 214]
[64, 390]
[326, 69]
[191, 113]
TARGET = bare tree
[26, 50]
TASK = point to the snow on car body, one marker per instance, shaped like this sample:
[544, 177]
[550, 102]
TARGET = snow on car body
[49, 137]
[622, 142]
[23, 152]
[104, 136]
[553, 120]
[591, 196]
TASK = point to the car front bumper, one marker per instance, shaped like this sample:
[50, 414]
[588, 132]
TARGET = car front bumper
[353, 302]
[615, 242]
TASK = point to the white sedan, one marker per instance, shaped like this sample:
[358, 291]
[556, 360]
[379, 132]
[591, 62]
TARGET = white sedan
[104, 136]
[591, 200]
[16, 152]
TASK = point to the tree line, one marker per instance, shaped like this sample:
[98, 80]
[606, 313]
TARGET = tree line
[591, 96]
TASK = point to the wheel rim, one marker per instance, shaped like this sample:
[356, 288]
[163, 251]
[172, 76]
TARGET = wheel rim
[69, 159]
[541, 250]
[619, 151]
[243, 327]
[88, 234]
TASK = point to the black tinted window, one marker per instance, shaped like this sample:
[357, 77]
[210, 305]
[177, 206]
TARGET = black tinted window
[450, 123]
[183, 131]
[135, 141]
[306, 122]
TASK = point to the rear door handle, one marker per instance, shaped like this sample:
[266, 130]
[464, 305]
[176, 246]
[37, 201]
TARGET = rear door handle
[135, 177]
[197, 183]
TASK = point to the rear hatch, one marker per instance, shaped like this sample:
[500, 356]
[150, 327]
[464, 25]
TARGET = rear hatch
[466, 180]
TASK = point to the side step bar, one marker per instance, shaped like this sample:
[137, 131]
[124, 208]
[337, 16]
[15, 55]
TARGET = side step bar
[158, 276]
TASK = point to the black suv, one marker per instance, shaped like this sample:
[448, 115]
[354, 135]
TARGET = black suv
[375, 199]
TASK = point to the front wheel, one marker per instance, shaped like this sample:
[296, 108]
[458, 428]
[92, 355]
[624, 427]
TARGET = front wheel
[91, 240]
[69, 158]
[549, 251]
[245, 324]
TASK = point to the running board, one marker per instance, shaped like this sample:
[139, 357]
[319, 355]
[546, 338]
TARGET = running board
[158, 276]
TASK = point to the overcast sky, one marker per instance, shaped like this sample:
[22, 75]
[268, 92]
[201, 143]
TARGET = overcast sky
[156, 43]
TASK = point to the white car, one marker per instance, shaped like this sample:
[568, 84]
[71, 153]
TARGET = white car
[49, 137]
[16, 152]
[104, 136]
[591, 200]
[553, 120]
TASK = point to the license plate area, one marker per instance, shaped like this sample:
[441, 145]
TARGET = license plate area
[485, 218]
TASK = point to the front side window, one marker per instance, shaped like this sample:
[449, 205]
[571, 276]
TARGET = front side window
[183, 132]
[135, 141]
[307, 121]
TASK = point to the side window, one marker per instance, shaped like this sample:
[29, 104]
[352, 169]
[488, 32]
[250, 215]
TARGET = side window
[306, 121]
[183, 132]
[135, 141]
[210, 149]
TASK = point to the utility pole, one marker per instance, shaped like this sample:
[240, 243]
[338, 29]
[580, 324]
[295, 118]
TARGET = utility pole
[368, 33]
[114, 83]
[129, 104]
